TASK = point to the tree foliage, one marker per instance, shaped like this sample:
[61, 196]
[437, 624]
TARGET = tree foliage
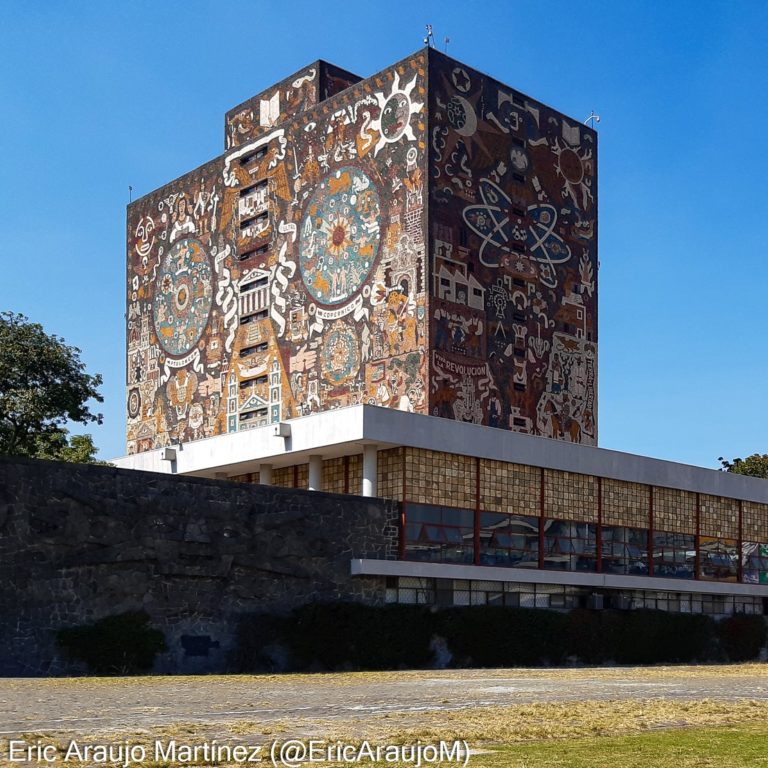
[58, 446]
[755, 465]
[43, 386]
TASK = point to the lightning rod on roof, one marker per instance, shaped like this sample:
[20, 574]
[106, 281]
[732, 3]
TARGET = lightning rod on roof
[430, 38]
[446, 41]
[593, 118]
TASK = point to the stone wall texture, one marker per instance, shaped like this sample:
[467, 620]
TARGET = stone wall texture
[79, 542]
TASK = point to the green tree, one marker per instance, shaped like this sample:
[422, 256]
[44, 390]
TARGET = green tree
[43, 386]
[58, 446]
[755, 465]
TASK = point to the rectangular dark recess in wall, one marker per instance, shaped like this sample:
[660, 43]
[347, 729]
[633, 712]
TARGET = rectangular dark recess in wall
[258, 185]
[254, 284]
[253, 252]
[247, 222]
[260, 315]
[246, 351]
[252, 156]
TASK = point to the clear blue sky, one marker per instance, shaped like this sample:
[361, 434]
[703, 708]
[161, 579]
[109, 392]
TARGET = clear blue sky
[97, 96]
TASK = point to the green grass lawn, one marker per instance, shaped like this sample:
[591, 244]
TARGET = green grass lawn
[724, 747]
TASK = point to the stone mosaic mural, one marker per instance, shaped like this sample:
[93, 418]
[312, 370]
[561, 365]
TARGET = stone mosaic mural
[292, 274]
[513, 258]
[288, 275]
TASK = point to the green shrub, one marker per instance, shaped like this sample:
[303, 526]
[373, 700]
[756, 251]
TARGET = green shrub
[653, 637]
[488, 636]
[741, 636]
[124, 644]
[585, 638]
[262, 643]
[355, 636]
[351, 635]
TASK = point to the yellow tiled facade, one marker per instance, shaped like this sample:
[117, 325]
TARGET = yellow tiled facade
[754, 521]
[355, 470]
[674, 510]
[333, 476]
[569, 496]
[435, 477]
[624, 503]
[432, 477]
[718, 517]
[283, 477]
[512, 488]
[390, 474]
[248, 477]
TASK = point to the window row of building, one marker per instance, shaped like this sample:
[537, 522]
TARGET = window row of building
[454, 535]
[449, 592]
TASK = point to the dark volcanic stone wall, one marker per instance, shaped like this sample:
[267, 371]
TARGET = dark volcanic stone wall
[78, 543]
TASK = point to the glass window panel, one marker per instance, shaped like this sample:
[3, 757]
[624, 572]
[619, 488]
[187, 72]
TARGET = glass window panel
[625, 550]
[570, 546]
[511, 540]
[754, 558]
[718, 559]
[674, 555]
[432, 535]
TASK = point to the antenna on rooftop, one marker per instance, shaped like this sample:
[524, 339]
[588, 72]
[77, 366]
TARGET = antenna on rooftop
[430, 38]
[593, 118]
[130, 193]
[446, 41]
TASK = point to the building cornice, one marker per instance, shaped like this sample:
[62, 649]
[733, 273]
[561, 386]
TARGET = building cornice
[344, 432]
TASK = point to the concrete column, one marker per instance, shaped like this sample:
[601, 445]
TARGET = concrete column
[265, 474]
[315, 473]
[370, 469]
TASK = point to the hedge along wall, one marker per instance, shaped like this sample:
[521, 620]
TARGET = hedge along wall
[354, 636]
[79, 543]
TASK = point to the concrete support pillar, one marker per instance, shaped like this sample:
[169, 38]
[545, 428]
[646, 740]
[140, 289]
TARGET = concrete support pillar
[370, 469]
[315, 473]
[265, 474]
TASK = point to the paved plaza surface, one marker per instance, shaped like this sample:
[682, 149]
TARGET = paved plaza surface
[218, 703]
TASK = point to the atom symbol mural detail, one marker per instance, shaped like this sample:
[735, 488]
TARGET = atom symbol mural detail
[183, 297]
[490, 220]
[340, 236]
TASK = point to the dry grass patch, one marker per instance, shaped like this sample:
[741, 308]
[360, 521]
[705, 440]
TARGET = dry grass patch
[751, 669]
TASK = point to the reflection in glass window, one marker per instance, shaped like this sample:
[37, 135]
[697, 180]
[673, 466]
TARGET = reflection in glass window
[625, 550]
[674, 555]
[718, 559]
[754, 561]
[511, 540]
[570, 546]
[439, 534]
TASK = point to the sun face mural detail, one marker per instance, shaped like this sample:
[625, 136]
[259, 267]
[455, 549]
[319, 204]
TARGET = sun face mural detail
[340, 236]
[183, 297]
[575, 167]
[395, 118]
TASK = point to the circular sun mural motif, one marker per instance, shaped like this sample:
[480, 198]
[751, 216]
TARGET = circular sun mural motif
[134, 403]
[340, 356]
[183, 297]
[340, 236]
